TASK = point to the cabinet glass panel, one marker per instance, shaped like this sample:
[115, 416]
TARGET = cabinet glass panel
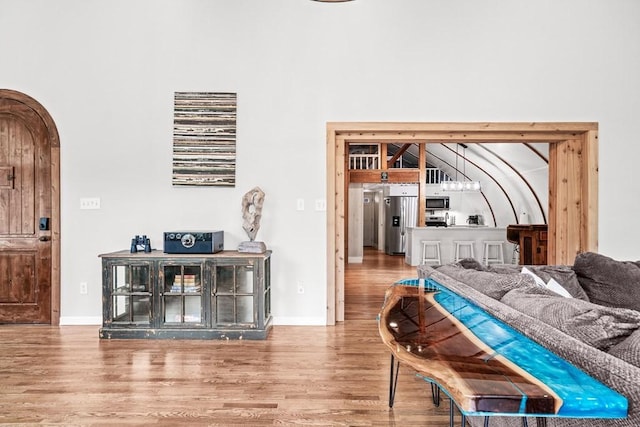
[244, 280]
[172, 308]
[130, 295]
[192, 308]
[224, 279]
[225, 309]
[182, 299]
[267, 288]
[233, 298]
[141, 308]
[244, 309]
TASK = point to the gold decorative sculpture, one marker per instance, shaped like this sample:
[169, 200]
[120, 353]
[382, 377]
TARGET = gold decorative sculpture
[252, 203]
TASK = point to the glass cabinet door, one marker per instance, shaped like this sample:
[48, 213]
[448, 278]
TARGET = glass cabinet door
[182, 297]
[266, 291]
[131, 294]
[233, 295]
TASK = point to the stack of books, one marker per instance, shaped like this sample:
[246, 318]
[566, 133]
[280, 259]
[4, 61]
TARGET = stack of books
[185, 283]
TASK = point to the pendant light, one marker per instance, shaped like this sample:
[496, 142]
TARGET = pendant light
[465, 184]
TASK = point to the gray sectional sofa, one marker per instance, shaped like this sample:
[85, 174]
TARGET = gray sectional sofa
[597, 328]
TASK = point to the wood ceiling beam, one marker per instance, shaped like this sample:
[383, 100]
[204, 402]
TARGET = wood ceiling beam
[401, 128]
[449, 137]
[396, 156]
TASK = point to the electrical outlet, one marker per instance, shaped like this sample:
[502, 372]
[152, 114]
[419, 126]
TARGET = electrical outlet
[300, 204]
[321, 205]
[300, 288]
[83, 288]
[90, 203]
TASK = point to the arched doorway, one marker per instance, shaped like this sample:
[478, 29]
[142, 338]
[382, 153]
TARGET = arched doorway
[29, 212]
[573, 182]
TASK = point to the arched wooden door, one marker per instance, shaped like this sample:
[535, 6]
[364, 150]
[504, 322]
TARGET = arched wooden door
[29, 212]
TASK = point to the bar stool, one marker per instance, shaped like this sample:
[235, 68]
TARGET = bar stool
[463, 244]
[499, 254]
[434, 245]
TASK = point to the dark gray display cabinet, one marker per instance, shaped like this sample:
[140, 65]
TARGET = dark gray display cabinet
[193, 296]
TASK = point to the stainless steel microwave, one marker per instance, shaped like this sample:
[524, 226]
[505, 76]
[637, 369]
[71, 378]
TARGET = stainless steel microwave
[437, 202]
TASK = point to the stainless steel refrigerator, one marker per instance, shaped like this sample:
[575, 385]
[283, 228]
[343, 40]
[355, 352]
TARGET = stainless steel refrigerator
[400, 212]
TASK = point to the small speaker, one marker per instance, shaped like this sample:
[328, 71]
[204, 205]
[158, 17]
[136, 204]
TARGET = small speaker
[193, 242]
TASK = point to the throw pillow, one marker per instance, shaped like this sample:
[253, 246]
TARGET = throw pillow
[564, 275]
[598, 326]
[607, 281]
[552, 285]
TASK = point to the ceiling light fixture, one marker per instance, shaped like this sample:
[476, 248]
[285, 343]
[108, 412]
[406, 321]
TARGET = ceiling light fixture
[465, 184]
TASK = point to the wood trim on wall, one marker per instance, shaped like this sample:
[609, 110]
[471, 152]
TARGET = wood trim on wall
[573, 182]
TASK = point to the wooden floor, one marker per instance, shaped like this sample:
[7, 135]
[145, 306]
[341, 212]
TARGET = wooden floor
[366, 283]
[299, 376]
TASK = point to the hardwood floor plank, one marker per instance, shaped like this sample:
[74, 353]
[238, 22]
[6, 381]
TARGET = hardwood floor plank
[299, 376]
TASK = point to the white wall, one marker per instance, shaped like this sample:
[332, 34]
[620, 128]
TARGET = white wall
[107, 70]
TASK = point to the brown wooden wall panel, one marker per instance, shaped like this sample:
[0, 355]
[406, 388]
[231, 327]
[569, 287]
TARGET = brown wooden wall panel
[590, 191]
[394, 176]
[574, 197]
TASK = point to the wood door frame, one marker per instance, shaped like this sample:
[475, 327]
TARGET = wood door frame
[54, 140]
[573, 182]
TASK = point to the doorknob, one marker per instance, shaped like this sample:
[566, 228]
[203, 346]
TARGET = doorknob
[44, 238]
[11, 177]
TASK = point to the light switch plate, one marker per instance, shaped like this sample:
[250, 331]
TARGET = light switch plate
[90, 203]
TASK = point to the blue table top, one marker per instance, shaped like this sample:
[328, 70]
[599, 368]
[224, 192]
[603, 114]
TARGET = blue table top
[581, 395]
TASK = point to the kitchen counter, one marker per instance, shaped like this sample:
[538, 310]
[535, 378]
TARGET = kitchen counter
[447, 235]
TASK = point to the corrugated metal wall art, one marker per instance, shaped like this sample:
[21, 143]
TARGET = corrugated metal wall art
[204, 138]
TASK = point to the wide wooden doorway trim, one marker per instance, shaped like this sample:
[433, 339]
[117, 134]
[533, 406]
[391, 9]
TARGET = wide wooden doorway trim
[54, 225]
[573, 182]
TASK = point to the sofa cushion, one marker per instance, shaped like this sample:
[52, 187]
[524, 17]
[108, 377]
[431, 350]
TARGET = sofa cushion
[599, 326]
[607, 281]
[629, 349]
[494, 285]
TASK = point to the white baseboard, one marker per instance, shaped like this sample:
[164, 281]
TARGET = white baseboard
[80, 320]
[355, 260]
[300, 321]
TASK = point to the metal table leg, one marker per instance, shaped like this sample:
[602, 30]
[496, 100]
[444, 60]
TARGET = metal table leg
[451, 405]
[393, 380]
[435, 394]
